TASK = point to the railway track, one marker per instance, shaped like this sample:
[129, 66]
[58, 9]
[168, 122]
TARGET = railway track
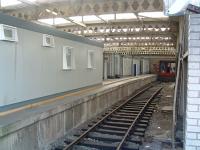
[122, 127]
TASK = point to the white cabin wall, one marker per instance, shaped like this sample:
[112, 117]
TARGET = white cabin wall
[29, 70]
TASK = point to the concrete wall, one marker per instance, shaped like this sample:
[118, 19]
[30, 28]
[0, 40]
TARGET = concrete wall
[192, 130]
[38, 131]
[29, 70]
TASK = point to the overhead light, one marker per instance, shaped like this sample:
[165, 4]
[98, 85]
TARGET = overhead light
[152, 14]
[107, 17]
[54, 21]
[150, 29]
[125, 29]
[55, 13]
[90, 31]
[107, 30]
[147, 146]
[6, 3]
[163, 29]
[126, 16]
[137, 29]
[47, 10]
[108, 39]
[101, 30]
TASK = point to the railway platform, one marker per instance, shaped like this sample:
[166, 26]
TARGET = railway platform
[44, 121]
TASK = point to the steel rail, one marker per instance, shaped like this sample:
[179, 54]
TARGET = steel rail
[70, 146]
[134, 121]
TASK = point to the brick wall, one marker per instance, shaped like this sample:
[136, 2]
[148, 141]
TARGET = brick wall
[192, 134]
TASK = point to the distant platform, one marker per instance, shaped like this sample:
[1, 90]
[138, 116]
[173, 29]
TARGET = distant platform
[40, 123]
[111, 81]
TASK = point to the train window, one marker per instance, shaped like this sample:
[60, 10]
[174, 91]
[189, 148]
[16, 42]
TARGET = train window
[167, 71]
[167, 67]
[68, 58]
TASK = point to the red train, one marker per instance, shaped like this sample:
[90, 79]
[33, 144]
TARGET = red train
[167, 71]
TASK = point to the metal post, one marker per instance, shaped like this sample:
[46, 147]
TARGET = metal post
[175, 98]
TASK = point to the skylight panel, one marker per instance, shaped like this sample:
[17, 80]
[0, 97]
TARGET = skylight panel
[61, 21]
[90, 18]
[125, 16]
[6, 3]
[76, 18]
[152, 14]
[107, 17]
[54, 21]
[47, 21]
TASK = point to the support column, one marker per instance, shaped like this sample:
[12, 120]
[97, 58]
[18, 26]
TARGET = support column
[105, 73]
[117, 65]
[111, 66]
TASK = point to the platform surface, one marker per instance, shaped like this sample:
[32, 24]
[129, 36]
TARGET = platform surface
[15, 114]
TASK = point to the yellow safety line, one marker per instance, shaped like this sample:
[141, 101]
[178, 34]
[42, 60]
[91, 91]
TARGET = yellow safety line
[46, 101]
